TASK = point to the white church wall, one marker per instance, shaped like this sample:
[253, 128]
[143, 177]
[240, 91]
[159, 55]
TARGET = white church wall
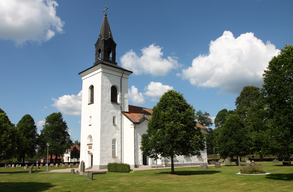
[128, 142]
[110, 131]
[140, 129]
[90, 118]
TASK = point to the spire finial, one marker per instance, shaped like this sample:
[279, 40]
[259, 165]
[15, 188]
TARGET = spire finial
[105, 10]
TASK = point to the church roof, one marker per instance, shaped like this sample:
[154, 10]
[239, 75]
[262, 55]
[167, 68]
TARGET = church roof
[105, 32]
[139, 114]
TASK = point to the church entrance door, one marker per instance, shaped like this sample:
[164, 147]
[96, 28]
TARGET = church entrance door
[91, 160]
[144, 160]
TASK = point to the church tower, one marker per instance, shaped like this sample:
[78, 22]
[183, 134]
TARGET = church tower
[104, 99]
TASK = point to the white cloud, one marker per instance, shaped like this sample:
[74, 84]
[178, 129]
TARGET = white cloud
[156, 90]
[136, 97]
[232, 63]
[41, 123]
[29, 20]
[151, 61]
[68, 104]
[226, 105]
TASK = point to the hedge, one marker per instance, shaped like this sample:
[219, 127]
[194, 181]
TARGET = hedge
[118, 167]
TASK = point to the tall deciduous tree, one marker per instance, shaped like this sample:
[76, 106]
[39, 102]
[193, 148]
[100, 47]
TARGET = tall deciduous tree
[278, 96]
[233, 139]
[8, 137]
[55, 132]
[219, 124]
[75, 153]
[203, 118]
[248, 95]
[28, 137]
[172, 129]
[258, 126]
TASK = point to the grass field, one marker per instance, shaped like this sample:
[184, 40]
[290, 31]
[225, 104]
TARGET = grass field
[185, 179]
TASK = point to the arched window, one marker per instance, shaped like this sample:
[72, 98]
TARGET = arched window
[114, 148]
[113, 94]
[91, 94]
[89, 139]
[90, 121]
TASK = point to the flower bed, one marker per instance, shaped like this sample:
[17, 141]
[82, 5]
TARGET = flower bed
[252, 168]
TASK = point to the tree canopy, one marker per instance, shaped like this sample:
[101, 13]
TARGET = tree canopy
[243, 102]
[8, 137]
[278, 94]
[203, 118]
[55, 132]
[233, 139]
[28, 137]
[75, 153]
[172, 129]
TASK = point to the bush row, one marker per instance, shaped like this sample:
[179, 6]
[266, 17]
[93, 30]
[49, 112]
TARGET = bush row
[118, 167]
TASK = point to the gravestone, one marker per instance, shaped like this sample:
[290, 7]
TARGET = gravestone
[5, 165]
[217, 165]
[12, 166]
[81, 169]
[56, 165]
[203, 166]
[19, 166]
[89, 176]
[30, 170]
[275, 161]
[72, 171]
[69, 165]
[227, 160]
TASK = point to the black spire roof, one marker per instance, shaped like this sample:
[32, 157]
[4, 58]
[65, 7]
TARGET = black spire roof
[105, 32]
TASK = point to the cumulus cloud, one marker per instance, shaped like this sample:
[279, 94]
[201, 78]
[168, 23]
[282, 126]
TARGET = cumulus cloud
[232, 63]
[29, 20]
[136, 97]
[41, 123]
[156, 90]
[68, 104]
[151, 61]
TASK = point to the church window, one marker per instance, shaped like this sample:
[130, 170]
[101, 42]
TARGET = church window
[114, 148]
[91, 94]
[90, 121]
[114, 120]
[89, 139]
[113, 94]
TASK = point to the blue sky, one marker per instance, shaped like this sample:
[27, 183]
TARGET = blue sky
[206, 50]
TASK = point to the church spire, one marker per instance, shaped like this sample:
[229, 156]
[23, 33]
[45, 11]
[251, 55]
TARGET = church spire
[105, 46]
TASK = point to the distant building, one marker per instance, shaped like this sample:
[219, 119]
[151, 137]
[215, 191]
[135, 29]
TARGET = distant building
[66, 156]
[44, 159]
[111, 130]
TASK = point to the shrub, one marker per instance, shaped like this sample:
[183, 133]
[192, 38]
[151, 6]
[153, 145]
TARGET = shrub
[118, 167]
[252, 168]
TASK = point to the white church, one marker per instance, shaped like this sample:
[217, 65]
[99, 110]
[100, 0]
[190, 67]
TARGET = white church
[111, 129]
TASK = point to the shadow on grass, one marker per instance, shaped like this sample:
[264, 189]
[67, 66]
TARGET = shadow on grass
[191, 172]
[284, 177]
[25, 186]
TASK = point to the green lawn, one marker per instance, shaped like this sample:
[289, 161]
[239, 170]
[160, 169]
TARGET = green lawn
[185, 179]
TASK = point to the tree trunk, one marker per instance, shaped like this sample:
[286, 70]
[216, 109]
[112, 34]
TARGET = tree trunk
[23, 157]
[261, 156]
[56, 158]
[239, 164]
[172, 165]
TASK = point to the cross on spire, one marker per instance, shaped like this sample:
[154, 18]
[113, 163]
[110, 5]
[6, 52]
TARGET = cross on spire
[105, 10]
